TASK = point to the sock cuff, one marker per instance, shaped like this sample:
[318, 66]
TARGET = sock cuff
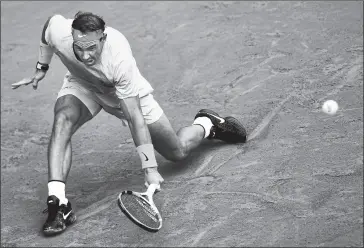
[57, 188]
[56, 181]
[58, 184]
[206, 123]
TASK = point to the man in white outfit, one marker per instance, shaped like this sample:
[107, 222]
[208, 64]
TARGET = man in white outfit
[102, 74]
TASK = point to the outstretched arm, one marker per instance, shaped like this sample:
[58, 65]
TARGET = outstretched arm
[44, 59]
[141, 136]
[133, 114]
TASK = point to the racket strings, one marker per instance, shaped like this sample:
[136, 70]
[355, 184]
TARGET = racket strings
[140, 210]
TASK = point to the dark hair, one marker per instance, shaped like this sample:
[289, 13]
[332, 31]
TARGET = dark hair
[88, 22]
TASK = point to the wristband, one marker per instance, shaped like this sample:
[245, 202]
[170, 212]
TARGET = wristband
[147, 156]
[45, 53]
[42, 67]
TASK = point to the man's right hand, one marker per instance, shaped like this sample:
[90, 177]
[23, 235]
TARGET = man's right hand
[39, 75]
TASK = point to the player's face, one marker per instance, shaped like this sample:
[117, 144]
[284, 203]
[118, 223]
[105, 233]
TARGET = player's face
[88, 46]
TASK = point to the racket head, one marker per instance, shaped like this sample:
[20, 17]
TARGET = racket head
[140, 210]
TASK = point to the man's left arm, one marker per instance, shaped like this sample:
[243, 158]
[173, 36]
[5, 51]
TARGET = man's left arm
[125, 76]
[133, 114]
[142, 139]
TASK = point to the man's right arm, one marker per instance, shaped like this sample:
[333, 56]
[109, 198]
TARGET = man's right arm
[45, 50]
[44, 30]
[44, 59]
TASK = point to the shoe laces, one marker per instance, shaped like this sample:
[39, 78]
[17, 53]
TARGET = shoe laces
[212, 132]
[46, 210]
[60, 207]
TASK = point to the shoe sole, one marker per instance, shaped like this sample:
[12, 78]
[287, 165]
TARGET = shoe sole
[69, 221]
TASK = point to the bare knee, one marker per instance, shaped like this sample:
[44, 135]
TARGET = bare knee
[177, 154]
[69, 114]
[165, 140]
[63, 124]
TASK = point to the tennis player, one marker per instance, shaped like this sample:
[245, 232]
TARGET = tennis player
[103, 74]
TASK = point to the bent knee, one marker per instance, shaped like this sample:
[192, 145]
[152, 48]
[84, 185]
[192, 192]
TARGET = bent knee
[177, 154]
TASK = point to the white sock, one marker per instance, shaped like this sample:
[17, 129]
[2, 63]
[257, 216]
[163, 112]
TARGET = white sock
[57, 188]
[205, 122]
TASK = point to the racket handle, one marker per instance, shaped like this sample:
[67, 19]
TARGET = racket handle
[158, 188]
[152, 188]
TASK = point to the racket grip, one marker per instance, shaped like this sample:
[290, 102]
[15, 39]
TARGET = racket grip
[152, 188]
[157, 189]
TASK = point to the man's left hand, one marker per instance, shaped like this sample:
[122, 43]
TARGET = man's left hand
[151, 175]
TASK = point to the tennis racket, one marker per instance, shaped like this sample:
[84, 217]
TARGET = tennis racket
[140, 208]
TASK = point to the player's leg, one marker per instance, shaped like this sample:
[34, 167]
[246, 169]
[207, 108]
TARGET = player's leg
[73, 108]
[69, 115]
[171, 145]
[165, 140]
[176, 146]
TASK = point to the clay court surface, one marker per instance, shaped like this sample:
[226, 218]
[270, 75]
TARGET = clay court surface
[298, 181]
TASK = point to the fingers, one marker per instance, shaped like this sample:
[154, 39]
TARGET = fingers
[153, 177]
[24, 81]
[159, 181]
[16, 85]
[158, 189]
[35, 84]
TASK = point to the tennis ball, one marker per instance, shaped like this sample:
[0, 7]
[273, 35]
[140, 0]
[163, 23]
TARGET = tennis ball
[330, 107]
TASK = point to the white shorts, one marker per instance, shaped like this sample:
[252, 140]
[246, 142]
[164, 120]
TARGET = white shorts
[109, 101]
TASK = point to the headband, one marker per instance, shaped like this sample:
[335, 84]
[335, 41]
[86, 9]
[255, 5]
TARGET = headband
[85, 44]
